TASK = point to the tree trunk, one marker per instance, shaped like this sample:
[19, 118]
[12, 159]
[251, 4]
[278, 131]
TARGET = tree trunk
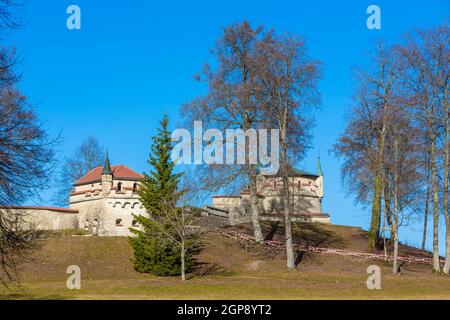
[447, 245]
[251, 172]
[254, 208]
[427, 203]
[183, 266]
[395, 263]
[383, 233]
[378, 188]
[290, 260]
[446, 185]
[376, 210]
[436, 266]
[387, 209]
[395, 196]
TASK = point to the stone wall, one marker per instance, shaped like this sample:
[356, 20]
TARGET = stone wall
[110, 216]
[302, 204]
[46, 218]
[225, 202]
[323, 219]
[108, 213]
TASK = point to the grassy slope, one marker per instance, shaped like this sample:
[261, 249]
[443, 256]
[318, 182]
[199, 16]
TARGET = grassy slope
[226, 271]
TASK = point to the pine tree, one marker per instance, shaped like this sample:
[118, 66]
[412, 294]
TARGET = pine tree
[154, 251]
[160, 186]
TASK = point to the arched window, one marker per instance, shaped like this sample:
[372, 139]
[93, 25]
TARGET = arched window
[135, 186]
[134, 223]
[119, 186]
[118, 222]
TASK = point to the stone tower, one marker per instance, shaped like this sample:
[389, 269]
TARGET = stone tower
[320, 181]
[107, 177]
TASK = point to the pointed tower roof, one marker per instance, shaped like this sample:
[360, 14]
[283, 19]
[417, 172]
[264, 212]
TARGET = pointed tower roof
[319, 167]
[107, 165]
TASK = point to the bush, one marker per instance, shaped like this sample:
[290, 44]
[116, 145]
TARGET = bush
[158, 256]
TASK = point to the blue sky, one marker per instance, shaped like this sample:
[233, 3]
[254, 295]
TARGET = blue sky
[132, 60]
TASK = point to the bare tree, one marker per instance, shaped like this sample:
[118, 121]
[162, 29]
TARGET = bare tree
[232, 104]
[402, 168]
[26, 162]
[426, 53]
[89, 155]
[289, 82]
[180, 226]
[427, 203]
[9, 15]
[375, 97]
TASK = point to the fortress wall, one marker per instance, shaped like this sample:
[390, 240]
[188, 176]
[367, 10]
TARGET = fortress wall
[89, 211]
[45, 218]
[101, 215]
[319, 219]
[225, 202]
[302, 204]
[238, 215]
[123, 209]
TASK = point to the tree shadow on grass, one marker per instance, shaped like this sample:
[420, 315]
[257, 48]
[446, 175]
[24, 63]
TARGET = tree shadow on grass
[305, 234]
[273, 230]
[310, 234]
[28, 296]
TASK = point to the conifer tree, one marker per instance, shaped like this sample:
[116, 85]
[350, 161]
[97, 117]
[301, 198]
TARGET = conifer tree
[154, 248]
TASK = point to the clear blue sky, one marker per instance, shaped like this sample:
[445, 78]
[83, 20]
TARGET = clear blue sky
[132, 60]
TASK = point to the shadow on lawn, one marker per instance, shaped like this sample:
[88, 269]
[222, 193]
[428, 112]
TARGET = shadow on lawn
[13, 295]
[305, 234]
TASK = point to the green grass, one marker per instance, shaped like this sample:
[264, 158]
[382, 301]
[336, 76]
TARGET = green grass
[226, 271]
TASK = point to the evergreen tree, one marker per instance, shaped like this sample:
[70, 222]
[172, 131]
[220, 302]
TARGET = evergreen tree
[160, 187]
[154, 250]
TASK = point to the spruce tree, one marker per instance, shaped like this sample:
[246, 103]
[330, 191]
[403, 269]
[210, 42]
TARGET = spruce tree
[154, 252]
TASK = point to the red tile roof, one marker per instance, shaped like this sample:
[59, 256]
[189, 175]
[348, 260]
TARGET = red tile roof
[120, 172]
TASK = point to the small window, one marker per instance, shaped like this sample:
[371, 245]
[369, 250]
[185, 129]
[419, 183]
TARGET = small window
[134, 223]
[119, 186]
[135, 186]
[119, 223]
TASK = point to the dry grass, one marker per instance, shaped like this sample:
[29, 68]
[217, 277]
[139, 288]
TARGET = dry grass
[225, 270]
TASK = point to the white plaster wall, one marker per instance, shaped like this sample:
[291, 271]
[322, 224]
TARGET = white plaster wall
[225, 202]
[100, 213]
[123, 209]
[44, 219]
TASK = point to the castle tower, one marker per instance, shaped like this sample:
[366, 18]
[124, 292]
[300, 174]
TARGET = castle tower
[319, 167]
[320, 179]
[107, 176]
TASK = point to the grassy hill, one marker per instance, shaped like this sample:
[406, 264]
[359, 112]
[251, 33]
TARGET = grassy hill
[226, 269]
